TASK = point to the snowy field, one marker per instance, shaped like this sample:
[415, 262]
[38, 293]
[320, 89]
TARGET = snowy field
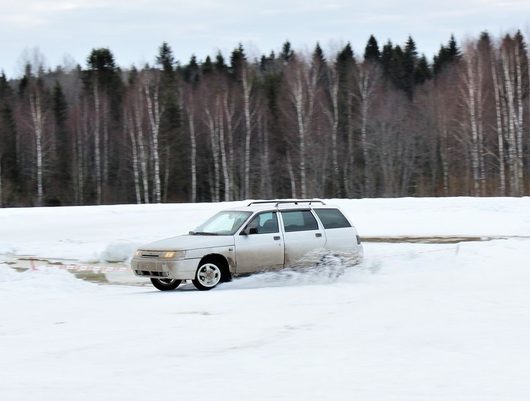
[413, 322]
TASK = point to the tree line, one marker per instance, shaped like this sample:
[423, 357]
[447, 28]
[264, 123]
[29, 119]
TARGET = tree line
[386, 123]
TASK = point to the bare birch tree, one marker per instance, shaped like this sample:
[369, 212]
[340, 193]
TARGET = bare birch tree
[366, 84]
[151, 91]
[38, 123]
[247, 89]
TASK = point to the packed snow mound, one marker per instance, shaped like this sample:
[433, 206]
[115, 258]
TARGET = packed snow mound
[118, 251]
[41, 278]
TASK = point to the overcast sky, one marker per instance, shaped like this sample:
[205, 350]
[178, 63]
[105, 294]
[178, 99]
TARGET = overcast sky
[133, 29]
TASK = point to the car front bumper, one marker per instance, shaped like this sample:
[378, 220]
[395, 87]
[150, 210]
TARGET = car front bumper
[182, 269]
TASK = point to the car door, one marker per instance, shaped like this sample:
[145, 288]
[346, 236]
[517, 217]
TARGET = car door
[302, 235]
[259, 244]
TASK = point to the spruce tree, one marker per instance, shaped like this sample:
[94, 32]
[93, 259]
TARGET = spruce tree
[410, 61]
[446, 55]
[165, 58]
[220, 65]
[63, 144]
[453, 50]
[423, 71]
[103, 74]
[397, 68]
[8, 142]
[207, 66]
[318, 54]
[319, 64]
[102, 69]
[287, 53]
[371, 51]
[237, 61]
[170, 118]
[386, 58]
[191, 71]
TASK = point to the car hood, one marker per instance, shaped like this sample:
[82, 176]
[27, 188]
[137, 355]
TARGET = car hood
[187, 242]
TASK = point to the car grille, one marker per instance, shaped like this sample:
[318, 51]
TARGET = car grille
[151, 273]
[151, 269]
[150, 254]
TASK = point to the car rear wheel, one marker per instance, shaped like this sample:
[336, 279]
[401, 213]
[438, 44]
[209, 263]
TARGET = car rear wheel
[165, 284]
[208, 275]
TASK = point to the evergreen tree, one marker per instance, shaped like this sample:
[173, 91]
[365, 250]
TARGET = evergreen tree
[410, 61]
[287, 53]
[165, 58]
[103, 71]
[319, 64]
[446, 55]
[207, 67]
[371, 51]
[386, 58]
[62, 172]
[8, 141]
[396, 72]
[133, 76]
[423, 71]
[103, 86]
[191, 71]
[345, 56]
[269, 63]
[453, 50]
[484, 41]
[220, 65]
[346, 106]
[318, 54]
[237, 61]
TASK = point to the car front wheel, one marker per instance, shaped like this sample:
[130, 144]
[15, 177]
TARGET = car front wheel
[165, 284]
[207, 277]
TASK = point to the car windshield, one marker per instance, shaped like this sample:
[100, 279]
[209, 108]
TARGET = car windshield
[223, 223]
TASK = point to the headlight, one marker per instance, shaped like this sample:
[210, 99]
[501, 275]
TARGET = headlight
[138, 253]
[172, 254]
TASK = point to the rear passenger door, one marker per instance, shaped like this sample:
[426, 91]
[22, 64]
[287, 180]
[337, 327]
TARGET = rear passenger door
[302, 234]
[340, 235]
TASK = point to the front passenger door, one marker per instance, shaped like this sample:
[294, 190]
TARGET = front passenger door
[259, 245]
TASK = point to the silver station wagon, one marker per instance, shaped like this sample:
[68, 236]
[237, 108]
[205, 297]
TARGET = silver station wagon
[263, 236]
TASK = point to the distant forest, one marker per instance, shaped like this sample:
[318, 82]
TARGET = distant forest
[385, 123]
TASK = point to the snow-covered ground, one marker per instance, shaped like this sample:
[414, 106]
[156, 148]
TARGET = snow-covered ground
[413, 322]
[97, 233]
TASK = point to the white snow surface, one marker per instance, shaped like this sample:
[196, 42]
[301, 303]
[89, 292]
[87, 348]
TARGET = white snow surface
[95, 233]
[412, 322]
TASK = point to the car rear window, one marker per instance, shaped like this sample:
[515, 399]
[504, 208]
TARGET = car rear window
[299, 220]
[332, 218]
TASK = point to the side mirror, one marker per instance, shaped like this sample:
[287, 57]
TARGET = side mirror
[248, 231]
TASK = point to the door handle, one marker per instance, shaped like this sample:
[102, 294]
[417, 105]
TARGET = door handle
[318, 235]
[276, 238]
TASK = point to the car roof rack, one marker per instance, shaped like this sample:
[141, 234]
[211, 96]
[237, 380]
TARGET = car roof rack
[286, 201]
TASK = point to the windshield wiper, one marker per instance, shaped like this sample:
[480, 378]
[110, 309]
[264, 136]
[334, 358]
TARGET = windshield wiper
[201, 233]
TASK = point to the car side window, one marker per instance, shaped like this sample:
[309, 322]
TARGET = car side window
[264, 223]
[332, 218]
[299, 220]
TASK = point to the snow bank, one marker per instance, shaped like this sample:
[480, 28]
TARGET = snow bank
[93, 233]
[118, 251]
[40, 279]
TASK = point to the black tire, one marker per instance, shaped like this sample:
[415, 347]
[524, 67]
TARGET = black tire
[165, 284]
[209, 274]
